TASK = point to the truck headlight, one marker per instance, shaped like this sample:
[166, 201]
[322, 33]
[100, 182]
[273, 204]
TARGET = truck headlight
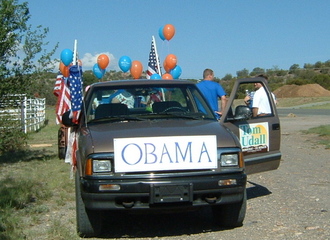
[101, 166]
[229, 160]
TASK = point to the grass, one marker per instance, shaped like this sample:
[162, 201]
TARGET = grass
[35, 188]
[323, 132]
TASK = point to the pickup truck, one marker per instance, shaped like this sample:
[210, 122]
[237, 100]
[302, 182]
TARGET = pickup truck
[156, 145]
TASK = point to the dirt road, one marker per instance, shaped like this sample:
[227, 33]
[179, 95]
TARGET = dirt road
[289, 203]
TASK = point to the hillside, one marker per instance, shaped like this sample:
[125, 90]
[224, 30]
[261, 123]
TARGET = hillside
[308, 90]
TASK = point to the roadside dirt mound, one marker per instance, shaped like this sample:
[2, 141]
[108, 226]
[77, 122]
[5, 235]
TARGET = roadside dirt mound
[308, 90]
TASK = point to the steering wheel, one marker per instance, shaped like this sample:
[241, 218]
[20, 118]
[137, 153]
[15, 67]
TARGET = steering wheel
[174, 108]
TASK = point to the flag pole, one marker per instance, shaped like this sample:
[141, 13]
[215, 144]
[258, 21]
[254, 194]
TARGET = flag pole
[75, 52]
[156, 53]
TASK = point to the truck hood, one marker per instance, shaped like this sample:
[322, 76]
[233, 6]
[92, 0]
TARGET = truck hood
[102, 134]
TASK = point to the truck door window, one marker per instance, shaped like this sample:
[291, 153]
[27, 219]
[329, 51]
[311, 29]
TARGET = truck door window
[247, 104]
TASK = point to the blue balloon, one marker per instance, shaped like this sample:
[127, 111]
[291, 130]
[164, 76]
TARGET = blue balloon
[125, 63]
[176, 72]
[67, 57]
[161, 33]
[155, 76]
[98, 72]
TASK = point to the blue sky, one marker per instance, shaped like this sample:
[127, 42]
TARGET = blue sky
[224, 35]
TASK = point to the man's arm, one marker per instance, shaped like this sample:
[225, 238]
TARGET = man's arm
[255, 112]
[223, 103]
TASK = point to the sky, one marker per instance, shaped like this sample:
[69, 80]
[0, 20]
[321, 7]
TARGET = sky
[224, 35]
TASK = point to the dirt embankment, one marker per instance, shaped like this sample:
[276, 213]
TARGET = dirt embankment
[308, 90]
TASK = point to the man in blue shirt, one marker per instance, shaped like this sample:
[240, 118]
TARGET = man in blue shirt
[212, 91]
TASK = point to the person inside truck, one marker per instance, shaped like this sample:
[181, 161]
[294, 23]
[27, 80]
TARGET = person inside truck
[124, 97]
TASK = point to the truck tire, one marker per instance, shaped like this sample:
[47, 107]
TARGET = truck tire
[61, 143]
[89, 223]
[61, 152]
[230, 215]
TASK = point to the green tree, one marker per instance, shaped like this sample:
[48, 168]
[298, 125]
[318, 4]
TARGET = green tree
[256, 71]
[22, 51]
[242, 73]
[293, 68]
[23, 63]
[228, 76]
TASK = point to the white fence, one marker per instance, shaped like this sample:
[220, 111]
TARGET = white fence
[28, 112]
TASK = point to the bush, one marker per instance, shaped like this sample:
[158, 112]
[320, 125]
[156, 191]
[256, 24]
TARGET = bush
[11, 137]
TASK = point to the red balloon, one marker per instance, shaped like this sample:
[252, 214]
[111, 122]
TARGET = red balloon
[171, 61]
[167, 76]
[136, 69]
[168, 31]
[103, 61]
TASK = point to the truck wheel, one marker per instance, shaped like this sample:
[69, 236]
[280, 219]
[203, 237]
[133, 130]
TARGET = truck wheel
[230, 215]
[89, 223]
[61, 152]
[61, 143]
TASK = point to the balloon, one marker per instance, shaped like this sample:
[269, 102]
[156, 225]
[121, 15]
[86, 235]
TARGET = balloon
[161, 33]
[167, 76]
[66, 71]
[168, 31]
[155, 76]
[176, 72]
[136, 69]
[66, 56]
[61, 66]
[79, 62]
[171, 61]
[103, 61]
[125, 63]
[98, 72]
[167, 69]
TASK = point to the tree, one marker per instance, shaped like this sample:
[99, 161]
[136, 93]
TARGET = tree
[22, 64]
[228, 76]
[257, 71]
[293, 68]
[22, 53]
[242, 73]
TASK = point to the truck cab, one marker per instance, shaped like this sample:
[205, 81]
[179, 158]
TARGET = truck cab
[156, 145]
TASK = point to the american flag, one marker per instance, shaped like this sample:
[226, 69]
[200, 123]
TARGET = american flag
[62, 92]
[152, 64]
[75, 80]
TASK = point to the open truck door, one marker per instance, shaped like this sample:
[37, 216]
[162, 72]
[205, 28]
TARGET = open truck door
[260, 136]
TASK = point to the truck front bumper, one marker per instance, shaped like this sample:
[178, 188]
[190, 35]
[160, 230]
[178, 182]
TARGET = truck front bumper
[196, 191]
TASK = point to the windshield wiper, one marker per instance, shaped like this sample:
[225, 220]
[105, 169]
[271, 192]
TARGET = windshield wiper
[118, 118]
[194, 116]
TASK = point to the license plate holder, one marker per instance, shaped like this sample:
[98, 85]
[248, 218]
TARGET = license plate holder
[170, 193]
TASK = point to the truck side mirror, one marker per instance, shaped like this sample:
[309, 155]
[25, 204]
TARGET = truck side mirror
[242, 113]
[66, 120]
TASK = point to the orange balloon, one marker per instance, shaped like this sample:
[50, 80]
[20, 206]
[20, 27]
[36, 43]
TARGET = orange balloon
[167, 76]
[168, 31]
[171, 61]
[136, 69]
[61, 67]
[103, 61]
[66, 72]
[167, 69]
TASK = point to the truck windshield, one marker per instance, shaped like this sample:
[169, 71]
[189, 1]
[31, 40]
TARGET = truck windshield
[146, 102]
